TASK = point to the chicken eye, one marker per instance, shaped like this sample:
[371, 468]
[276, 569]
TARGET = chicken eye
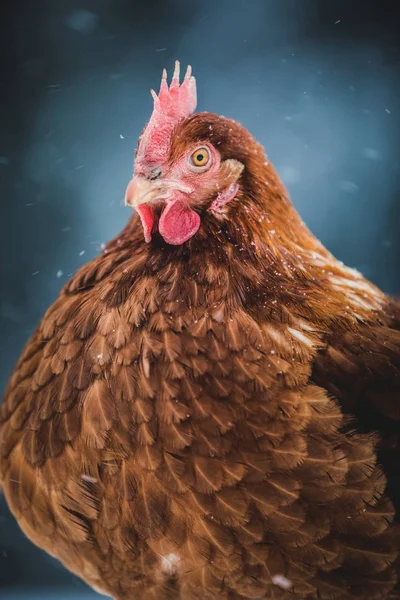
[200, 157]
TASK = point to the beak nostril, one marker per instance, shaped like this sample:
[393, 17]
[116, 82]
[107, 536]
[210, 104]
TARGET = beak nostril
[154, 174]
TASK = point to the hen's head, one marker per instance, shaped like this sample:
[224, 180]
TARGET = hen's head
[191, 169]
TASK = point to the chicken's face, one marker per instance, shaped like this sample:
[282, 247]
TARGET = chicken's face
[179, 174]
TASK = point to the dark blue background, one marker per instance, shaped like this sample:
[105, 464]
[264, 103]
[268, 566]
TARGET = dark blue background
[316, 81]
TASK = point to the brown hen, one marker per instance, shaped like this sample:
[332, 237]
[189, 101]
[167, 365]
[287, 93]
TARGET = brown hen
[211, 407]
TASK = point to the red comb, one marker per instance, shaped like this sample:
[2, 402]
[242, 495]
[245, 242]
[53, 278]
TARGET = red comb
[170, 106]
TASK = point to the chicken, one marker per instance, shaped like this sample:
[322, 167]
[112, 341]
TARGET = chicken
[210, 409]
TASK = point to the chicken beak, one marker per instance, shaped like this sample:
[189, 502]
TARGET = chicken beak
[141, 190]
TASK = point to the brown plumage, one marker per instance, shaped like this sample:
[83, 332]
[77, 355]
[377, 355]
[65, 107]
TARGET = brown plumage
[214, 418]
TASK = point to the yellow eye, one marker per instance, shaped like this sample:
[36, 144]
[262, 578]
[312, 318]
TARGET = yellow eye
[200, 157]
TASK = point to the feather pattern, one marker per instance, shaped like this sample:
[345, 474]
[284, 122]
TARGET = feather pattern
[213, 420]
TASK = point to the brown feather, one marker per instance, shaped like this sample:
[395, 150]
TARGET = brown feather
[217, 419]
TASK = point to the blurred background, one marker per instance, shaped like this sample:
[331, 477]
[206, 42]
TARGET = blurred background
[317, 82]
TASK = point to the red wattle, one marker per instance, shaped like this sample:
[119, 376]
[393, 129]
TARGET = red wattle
[178, 223]
[146, 215]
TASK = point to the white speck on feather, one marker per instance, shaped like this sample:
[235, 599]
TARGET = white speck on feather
[169, 564]
[97, 589]
[277, 336]
[304, 325]
[88, 478]
[218, 315]
[59, 273]
[318, 259]
[350, 283]
[301, 337]
[81, 253]
[282, 582]
[146, 366]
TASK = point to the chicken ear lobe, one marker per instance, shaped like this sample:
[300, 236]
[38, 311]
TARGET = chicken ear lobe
[178, 223]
